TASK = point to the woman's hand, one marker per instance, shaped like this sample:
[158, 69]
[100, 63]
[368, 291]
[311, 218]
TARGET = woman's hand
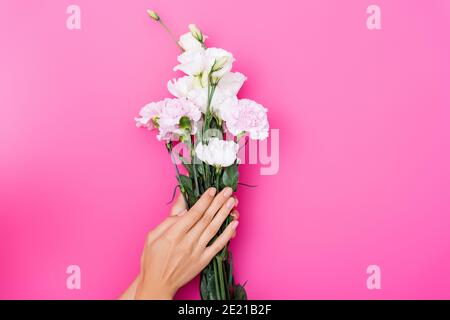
[177, 250]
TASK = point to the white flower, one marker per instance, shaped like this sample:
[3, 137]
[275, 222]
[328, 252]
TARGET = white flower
[247, 117]
[193, 40]
[225, 94]
[173, 117]
[197, 33]
[198, 61]
[221, 100]
[198, 64]
[218, 62]
[189, 43]
[181, 87]
[232, 82]
[219, 153]
[192, 62]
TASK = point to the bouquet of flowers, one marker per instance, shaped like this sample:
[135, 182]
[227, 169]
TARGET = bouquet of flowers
[208, 119]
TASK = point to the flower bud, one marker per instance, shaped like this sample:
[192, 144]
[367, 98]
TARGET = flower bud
[215, 80]
[219, 63]
[185, 124]
[196, 33]
[153, 15]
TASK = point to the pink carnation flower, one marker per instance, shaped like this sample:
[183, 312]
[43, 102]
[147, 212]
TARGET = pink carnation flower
[148, 113]
[167, 115]
[247, 117]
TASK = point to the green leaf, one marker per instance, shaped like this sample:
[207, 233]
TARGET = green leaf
[187, 188]
[189, 169]
[230, 270]
[186, 182]
[200, 169]
[203, 285]
[239, 293]
[185, 162]
[207, 284]
[230, 177]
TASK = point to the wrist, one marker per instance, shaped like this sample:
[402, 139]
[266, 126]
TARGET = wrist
[149, 291]
[153, 295]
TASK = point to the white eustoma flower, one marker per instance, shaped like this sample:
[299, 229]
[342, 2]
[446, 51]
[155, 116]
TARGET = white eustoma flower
[188, 42]
[199, 61]
[197, 33]
[192, 62]
[218, 153]
[221, 100]
[247, 117]
[232, 82]
[192, 40]
[181, 87]
[218, 62]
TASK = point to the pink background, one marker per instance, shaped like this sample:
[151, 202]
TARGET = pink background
[364, 157]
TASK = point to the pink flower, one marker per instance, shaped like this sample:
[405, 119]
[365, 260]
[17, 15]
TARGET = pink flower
[148, 114]
[174, 118]
[247, 117]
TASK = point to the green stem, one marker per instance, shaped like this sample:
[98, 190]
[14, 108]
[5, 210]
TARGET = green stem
[221, 278]
[169, 149]
[225, 275]
[217, 178]
[197, 189]
[171, 34]
[211, 90]
[208, 114]
[206, 170]
[216, 280]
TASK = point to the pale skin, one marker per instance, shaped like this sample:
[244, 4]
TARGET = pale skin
[179, 248]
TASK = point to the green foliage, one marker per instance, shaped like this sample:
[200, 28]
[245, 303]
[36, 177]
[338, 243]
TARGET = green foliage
[209, 280]
[239, 293]
[208, 284]
[230, 177]
[187, 188]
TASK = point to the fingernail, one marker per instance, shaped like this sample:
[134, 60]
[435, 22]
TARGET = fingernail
[182, 213]
[212, 192]
[230, 203]
[234, 224]
[227, 192]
